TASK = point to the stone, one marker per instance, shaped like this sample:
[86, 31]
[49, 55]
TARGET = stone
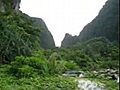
[81, 75]
[15, 5]
[85, 84]
[118, 80]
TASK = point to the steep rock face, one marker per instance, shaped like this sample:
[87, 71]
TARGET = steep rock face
[13, 6]
[47, 41]
[69, 40]
[106, 24]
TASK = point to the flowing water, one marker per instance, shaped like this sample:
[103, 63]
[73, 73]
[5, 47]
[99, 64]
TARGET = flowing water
[84, 84]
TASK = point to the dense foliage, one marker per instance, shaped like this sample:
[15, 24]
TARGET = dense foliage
[31, 68]
[38, 65]
[17, 36]
[93, 54]
[8, 82]
[35, 72]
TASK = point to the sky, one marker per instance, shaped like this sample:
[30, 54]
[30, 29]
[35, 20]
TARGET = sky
[63, 16]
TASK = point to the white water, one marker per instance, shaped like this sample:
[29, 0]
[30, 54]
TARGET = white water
[84, 84]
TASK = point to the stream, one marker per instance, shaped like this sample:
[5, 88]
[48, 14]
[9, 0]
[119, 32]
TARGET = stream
[85, 84]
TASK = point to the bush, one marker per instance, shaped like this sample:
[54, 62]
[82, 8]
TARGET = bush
[25, 71]
[28, 66]
[71, 65]
[37, 83]
[17, 37]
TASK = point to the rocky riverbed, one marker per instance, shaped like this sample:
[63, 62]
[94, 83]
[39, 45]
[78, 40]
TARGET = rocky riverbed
[85, 84]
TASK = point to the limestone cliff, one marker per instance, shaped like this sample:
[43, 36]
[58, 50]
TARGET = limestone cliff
[46, 41]
[105, 24]
[69, 40]
[12, 6]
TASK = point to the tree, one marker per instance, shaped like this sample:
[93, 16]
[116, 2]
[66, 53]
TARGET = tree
[17, 36]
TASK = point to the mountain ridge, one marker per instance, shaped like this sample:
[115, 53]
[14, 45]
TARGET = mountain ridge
[105, 24]
[47, 41]
[11, 7]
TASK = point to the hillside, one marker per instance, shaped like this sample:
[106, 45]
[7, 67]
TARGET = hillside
[20, 33]
[25, 65]
[105, 24]
[46, 38]
[46, 41]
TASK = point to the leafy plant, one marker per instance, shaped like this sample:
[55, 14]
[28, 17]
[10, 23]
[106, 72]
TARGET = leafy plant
[71, 65]
[8, 82]
[29, 66]
[17, 37]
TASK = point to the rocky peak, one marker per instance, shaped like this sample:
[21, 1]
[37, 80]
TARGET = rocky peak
[68, 40]
[105, 24]
[47, 41]
[15, 4]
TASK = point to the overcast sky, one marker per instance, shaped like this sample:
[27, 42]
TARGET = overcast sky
[63, 16]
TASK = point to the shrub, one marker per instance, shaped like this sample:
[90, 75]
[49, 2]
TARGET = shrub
[25, 71]
[28, 66]
[71, 65]
[17, 37]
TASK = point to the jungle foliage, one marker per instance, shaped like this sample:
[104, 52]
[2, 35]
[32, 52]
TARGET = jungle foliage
[24, 65]
[17, 36]
[93, 54]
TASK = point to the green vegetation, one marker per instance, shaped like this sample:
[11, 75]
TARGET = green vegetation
[8, 82]
[22, 62]
[109, 84]
[17, 36]
[25, 65]
[35, 72]
[94, 54]
[38, 65]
